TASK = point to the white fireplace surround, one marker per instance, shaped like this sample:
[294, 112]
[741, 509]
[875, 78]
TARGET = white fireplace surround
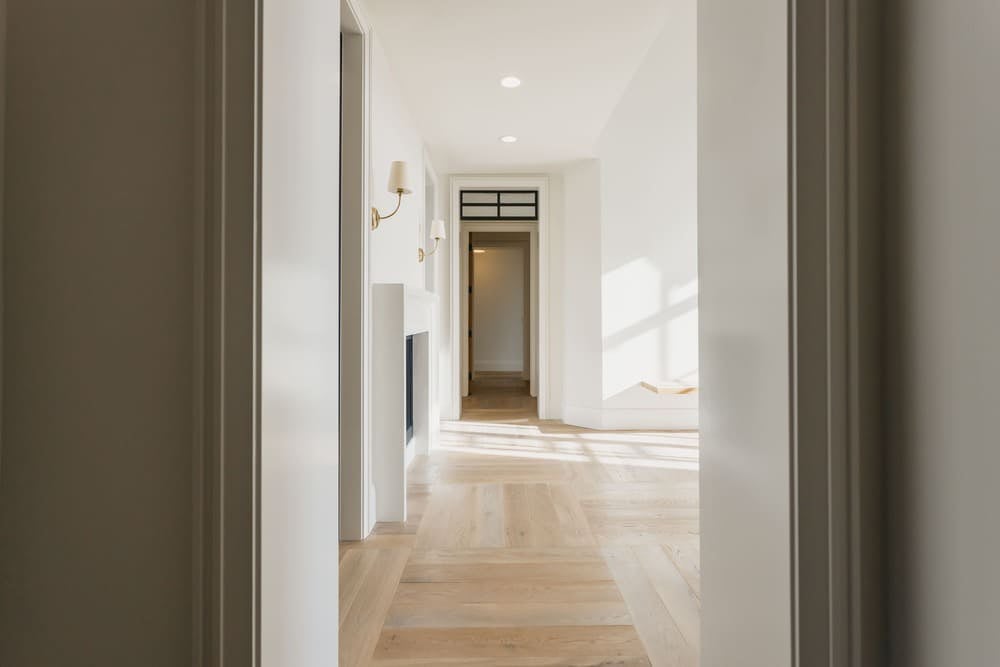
[397, 312]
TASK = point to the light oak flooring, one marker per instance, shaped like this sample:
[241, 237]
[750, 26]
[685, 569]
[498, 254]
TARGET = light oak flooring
[532, 543]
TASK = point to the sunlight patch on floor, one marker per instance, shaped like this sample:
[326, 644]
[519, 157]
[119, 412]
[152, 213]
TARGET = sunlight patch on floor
[675, 463]
[643, 449]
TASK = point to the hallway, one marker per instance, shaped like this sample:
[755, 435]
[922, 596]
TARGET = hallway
[532, 543]
[499, 397]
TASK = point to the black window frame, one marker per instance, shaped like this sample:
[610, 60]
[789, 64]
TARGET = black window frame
[498, 205]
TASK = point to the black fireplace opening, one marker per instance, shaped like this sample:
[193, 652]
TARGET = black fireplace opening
[409, 389]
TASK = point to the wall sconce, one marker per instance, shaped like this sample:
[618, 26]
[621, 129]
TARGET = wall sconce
[438, 234]
[399, 185]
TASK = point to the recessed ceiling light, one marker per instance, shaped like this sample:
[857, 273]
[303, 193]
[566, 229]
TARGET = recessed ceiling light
[509, 139]
[510, 82]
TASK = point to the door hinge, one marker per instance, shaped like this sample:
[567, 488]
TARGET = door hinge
[470, 289]
[470, 333]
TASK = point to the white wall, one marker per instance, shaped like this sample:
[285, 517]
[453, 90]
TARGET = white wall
[557, 275]
[644, 257]
[943, 124]
[649, 224]
[435, 266]
[581, 296]
[395, 137]
[499, 309]
[97, 479]
[299, 333]
[441, 263]
[744, 292]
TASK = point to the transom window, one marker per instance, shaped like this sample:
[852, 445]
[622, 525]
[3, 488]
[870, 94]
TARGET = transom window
[499, 204]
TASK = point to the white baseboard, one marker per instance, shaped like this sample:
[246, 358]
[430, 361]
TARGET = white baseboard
[617, 419]
[499, 366]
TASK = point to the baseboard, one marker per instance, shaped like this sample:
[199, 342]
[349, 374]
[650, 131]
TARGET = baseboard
[617, 419]
[499, 366]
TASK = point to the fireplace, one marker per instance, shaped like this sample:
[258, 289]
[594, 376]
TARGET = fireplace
[409, 390]
[402, 423]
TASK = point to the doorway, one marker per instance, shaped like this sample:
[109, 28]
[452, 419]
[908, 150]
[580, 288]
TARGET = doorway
[500, 322]
[538, 278]
[501, 350]
[740, 351]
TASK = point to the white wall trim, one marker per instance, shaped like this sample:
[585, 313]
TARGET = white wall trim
[430, 171]
[356, 503]
[500, 365]
[614, 419]
[357, 16]
[432, 179]
[539, 276]
[365, 24]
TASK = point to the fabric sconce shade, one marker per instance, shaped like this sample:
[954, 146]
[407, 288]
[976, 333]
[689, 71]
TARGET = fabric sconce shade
[399, 185]
[399, 178]
[438, 234]
[438, 231]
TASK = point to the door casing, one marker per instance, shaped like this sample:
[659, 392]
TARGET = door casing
[458, 301]
[836, 617]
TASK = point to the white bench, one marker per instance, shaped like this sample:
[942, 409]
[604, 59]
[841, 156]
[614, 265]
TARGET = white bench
[668, 388]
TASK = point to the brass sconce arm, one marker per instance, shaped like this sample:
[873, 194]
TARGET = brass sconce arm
[438, 233]
[378, 217]
[421, 253]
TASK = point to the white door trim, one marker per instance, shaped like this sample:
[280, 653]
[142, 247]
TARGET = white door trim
[357, 516]
[457, 303]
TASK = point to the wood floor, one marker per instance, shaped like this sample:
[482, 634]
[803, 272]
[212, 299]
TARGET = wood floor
[532, 543]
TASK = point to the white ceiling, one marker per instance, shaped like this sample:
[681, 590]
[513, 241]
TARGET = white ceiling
[575, 58]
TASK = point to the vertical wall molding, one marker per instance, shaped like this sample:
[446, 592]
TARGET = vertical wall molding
[835, 335]
[866, 518]
[226, 448]
[3, 160]
[356, 519]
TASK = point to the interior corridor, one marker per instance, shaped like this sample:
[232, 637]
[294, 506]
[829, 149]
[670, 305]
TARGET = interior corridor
[499, 397]
[532, 543]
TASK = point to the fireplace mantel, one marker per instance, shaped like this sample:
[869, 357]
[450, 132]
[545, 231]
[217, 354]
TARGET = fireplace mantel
[398, 312]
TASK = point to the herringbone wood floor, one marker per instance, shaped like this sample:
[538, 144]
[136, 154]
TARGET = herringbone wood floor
[532, 543]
